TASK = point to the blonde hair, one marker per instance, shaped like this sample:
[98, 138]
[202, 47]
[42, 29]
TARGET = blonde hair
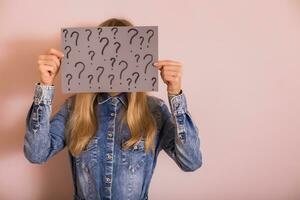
[82, 123]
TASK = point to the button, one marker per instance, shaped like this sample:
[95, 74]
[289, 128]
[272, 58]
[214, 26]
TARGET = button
[135, 147]
[109, 156]
[110, 135]
[181, 136]
[107, 179]
[114, 100]
[112, 114]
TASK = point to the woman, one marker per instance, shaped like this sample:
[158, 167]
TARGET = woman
[113, 139]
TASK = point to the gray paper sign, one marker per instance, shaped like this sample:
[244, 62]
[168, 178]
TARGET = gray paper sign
[109, 59]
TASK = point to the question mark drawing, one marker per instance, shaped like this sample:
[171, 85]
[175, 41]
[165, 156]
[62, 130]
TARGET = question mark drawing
[98, 78]
[69, 75]
[142, 40]
[68, 52]
[107, 41]
[113, 76]
[93, 54]
[81, 70]
[138, 75]
[100, 31]
[150, 36]
[129, 82]
[136, 32]
[113, 62]
[126, 65]
[147, 55]
[89, 35]
[117, 49]
[90, 76]
[138, 57]
[116, 30]
[66, 33]
[153, 78]
[76, 40]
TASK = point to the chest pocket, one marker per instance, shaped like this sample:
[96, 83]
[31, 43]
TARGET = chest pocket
[87, 159]
[134, 157]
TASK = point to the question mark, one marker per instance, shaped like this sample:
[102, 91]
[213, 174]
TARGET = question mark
[76, 41]
[142, 40]
[129, 82]
[91, 78]
[93, 52]
[89, 35]
[148, 62]
[81, 70]
[68, 47]
[119, 45]
[100, 67]
[69, 75]
[138, 75]
[113, 76]
[100, 31]
[116, 30]
[113, 62]
[138, 57]
[126, 65]
[150, 36]
[136, 32]
[66, 32]
[107, 41]
[153, 78]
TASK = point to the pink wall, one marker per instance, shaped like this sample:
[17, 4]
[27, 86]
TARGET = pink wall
[241, 77]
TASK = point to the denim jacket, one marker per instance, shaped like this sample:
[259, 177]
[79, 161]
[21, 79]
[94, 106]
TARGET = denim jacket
[104, 170]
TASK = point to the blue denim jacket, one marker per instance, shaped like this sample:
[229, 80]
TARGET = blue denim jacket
[104, 170]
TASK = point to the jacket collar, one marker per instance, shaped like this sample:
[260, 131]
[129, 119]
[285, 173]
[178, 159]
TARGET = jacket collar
[104, 96]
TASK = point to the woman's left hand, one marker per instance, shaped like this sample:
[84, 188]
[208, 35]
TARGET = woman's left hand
[171, 73]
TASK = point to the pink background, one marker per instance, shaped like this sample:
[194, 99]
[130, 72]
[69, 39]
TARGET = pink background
[241, 78]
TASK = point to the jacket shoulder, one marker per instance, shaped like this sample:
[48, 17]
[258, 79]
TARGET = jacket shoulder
[158, 106]
[155, 102]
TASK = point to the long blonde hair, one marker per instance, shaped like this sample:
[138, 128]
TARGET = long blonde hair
[82, 123]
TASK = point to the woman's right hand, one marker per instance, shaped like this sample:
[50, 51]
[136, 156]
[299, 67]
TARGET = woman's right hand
[49, 65]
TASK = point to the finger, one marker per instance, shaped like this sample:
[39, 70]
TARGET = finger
[50, 57]
[175, 68]
[47, 62]
[160, 67]
[47, 68]
[162, 76]
[167, 62]
[172, 78]
[172, 73]
[169, 66]
[55, 52]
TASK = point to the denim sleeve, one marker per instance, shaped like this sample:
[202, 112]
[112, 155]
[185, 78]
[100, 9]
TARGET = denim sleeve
[180, 135]
[44, 137]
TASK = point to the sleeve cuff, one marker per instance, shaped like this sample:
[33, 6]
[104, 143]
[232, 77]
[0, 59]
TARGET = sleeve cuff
[178, 103]
[43, 93]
